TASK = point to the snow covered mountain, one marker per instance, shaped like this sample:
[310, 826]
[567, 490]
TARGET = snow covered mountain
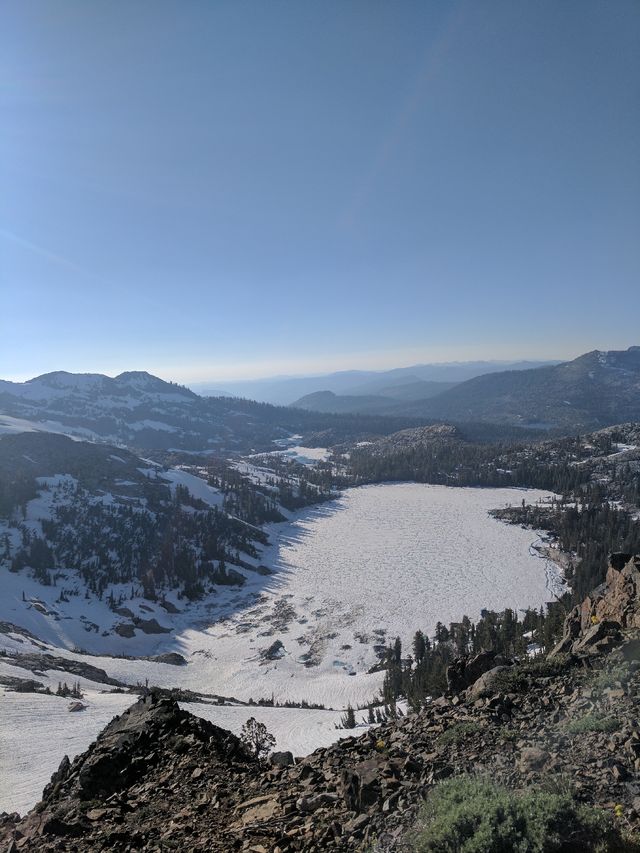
[132, 408]
[60, 382]
[138, 410]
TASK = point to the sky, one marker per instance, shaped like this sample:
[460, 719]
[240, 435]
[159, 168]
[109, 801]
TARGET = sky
[219, 190]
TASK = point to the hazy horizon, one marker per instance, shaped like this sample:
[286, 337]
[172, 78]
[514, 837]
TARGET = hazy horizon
[330, 368]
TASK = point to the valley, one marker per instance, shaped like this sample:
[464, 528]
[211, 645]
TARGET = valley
[310, 631]
[273, 576]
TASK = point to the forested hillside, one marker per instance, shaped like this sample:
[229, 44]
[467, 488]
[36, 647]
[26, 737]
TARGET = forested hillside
[596, 389]
[114, 519]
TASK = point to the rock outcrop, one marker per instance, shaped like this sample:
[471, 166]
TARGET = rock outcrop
[616, 600]
[596, 624]
[464, 672]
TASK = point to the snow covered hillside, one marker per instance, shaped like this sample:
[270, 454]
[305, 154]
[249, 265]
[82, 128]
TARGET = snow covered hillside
[136, 409]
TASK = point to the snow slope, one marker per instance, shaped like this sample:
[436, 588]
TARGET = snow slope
[196, 485]
[37, 731]
[299, 730]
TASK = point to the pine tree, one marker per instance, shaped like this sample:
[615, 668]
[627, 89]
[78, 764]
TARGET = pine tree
[258, 741]
[348, 720]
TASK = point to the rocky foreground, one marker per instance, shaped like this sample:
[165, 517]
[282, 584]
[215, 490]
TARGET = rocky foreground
[160, 779]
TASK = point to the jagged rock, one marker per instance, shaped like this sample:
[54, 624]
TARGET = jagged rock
[601, 637]
[55, 825]
[123, 611]
[562, 647]
[257, 808]
[274, 652]
[312, 804]
[125, 629]
[173, 658]
[617, 599]
[354, 827]
[281, 759]
[58, 777]
[614, 602]
[22, 685]
[464, 672]
[151, 626]
[42, 662]
[572, 627]
[533, 759]
[484, 686]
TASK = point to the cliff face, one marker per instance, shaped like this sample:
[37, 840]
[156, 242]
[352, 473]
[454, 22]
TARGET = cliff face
[159, 778]
[614, 606]
[618, 598]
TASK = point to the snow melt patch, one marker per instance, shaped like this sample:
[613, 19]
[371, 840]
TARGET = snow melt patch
[306, 455]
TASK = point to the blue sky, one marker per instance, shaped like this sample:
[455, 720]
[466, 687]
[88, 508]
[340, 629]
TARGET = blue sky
[231, 189]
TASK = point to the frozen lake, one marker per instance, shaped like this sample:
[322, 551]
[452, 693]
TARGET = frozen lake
[405, 556]
[379, 562]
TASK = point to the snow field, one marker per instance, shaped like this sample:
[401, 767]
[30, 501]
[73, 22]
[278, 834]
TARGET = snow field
[299, 730]
[380, 562]
[37, 731]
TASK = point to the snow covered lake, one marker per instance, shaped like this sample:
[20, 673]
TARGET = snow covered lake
[378, 562]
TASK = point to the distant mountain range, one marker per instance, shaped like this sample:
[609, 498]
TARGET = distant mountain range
[286, 390]
[386, 402]
[140, 411]
[594, 390]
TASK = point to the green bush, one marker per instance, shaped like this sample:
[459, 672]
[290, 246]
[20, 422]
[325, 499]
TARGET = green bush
[458, 732]
[592, 722]
[610, 677]
[510, 735]
[467, 815]
[519, 678]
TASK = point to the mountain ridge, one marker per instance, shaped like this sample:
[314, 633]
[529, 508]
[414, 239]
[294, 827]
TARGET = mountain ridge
[285, 390]
[597, 389]
[139, 410]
